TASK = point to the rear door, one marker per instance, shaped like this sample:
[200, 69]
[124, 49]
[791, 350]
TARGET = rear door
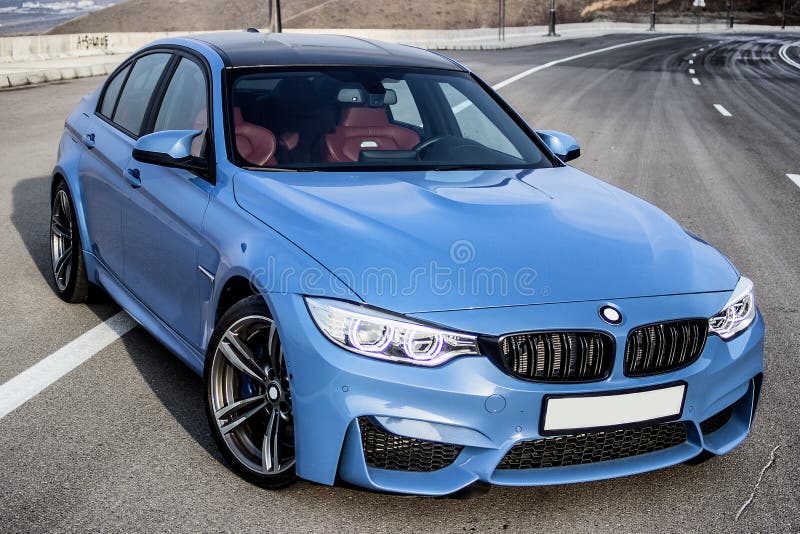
[109, 136]
[163, 218]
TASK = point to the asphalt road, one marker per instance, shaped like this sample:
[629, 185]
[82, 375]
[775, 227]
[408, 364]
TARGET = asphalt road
[121, 443]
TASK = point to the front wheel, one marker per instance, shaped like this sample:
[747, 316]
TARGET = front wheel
[248, 399]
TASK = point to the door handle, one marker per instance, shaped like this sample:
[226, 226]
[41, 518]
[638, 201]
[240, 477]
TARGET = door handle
[88, 140]
[134, 178]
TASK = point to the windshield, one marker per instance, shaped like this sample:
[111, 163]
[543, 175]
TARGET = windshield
[345, 118]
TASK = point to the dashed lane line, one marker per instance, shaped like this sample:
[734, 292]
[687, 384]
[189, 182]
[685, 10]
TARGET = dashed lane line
[724, 112]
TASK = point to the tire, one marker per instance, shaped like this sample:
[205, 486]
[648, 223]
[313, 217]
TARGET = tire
[248, 396]
[66, 256]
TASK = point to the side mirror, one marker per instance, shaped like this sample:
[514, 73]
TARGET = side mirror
[170, 148]
[560, 144]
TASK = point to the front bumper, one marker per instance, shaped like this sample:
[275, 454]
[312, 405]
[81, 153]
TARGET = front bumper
[469, 402]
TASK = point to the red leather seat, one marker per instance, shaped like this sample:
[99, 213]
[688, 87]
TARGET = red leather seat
[365, 129]
[255, 144]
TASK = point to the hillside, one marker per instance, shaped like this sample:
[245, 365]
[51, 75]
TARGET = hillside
[751, 11]
[190, 15]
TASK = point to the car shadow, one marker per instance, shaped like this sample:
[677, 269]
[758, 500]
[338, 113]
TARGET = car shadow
[178, 388]
[30, 217]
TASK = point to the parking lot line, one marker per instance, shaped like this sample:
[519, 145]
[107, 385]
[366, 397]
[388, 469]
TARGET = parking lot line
[39, 376]
[695, 81]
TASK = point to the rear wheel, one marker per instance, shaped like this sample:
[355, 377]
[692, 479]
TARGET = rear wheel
[248, 398]
[69, 271]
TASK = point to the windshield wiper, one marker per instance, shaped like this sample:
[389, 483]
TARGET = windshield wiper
[467, 167]
[271, 169]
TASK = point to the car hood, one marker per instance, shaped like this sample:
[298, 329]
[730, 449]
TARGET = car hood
[416, 241]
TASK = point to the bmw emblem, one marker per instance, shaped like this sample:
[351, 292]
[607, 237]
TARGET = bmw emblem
[610, 314]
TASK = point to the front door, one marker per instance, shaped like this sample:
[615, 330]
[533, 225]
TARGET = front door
[163, 219]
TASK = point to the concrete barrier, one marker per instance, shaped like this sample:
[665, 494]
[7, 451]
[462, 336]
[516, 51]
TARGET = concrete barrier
[35, 59]
[33, 47]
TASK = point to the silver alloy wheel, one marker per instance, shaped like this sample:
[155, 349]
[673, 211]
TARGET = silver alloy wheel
[250, 397]
[61, 239]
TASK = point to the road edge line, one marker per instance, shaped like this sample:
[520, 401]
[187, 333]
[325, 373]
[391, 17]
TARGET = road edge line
[38, 377]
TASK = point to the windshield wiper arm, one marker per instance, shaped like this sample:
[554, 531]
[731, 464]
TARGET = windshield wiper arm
[465, 167]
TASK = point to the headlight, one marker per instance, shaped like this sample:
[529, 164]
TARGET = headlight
[380, 335]
[737, 314]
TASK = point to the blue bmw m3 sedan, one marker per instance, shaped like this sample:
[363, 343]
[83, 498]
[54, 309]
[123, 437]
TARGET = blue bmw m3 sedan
[387, 277]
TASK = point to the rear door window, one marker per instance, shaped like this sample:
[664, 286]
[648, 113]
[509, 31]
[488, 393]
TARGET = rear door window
[136, 94]
[112, 93]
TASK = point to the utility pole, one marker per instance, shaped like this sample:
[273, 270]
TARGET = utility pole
[730, 15]
[275, 16]
[501, 20]
[551, 27]
[783, 16]
[653, 17]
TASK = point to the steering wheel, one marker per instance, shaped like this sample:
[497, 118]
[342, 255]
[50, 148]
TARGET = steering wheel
[427, 143]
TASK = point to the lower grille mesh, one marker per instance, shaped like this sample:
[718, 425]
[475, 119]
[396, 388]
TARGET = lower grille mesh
[385, 450]
[591, 447]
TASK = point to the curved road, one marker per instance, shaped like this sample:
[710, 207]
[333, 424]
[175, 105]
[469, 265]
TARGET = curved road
[121, 442]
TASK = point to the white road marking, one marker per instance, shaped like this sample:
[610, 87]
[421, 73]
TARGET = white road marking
[530, 71]
[39, 376]
[795, 178]
[785, 56]
[702, 49]
[695, 81]
[691, 62]
[694, 55]
[458, 108]
[724, 112]
[691, 71]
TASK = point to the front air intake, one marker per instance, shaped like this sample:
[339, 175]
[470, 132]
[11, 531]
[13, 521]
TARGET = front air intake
[385, 450]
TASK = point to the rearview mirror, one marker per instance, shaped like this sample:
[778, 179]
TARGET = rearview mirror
[562, 145]
[170, 148]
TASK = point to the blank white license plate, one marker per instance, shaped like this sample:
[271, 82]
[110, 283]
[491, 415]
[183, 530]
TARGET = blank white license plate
[583, 412]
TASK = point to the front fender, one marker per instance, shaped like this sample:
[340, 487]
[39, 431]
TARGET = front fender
[239, 245]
